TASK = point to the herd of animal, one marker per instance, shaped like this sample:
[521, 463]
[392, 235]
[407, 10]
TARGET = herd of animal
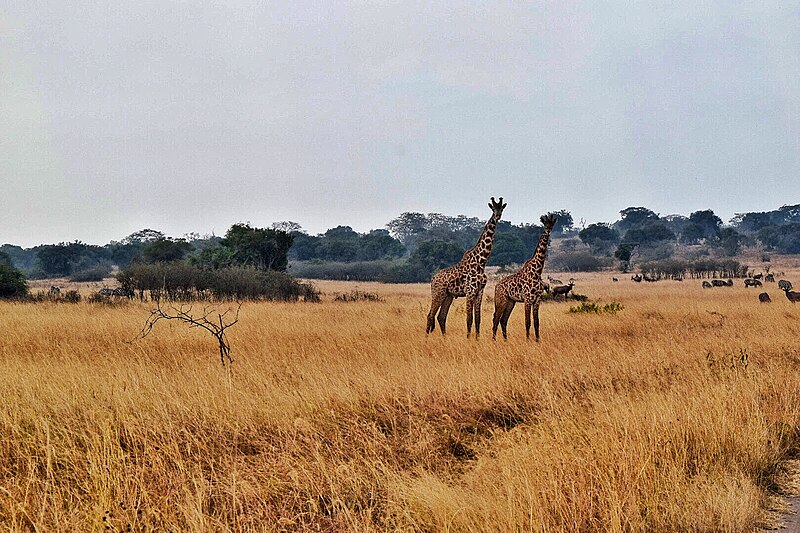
[467, 278]
[755, 281]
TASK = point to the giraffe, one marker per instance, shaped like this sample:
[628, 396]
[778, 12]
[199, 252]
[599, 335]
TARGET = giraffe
[465, 278]
[524, 286]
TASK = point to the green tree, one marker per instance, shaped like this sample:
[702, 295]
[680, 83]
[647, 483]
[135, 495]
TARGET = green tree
[708, 221]
[166, 250]
[12, 282]
[564, 222]
[599, 237]
[264, 249]
[634, 217]
[507, 249]
[435, 255]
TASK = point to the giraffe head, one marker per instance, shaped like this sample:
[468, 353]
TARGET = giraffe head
[497, 208]
[549, 220]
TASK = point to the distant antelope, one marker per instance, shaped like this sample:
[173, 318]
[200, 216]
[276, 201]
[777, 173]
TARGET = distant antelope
[792, 295]
[563, 290]
[764, 298]
[637, 278]
[614, 279]
[650, 278]
[752, 283]
[759, 275]
[554, 281]
[769, 278]
[707, 285]
[785, 284]
[718, 283]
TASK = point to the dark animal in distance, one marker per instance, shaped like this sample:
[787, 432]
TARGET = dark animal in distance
[752, 283]
[721, 283]
[707, 285]
[764, 298]
[54, 290]
[785, 284]
[614, 279]
[649, 278]
[759, 275]
[637, 278]
[563, 290]
[769, 278]
[554, 281]
[793, 296]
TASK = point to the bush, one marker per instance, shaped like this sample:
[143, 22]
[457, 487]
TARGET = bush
[357, 296]
[591, 307]
[12, 282]
[182, 281]
[97, 273]
[578, 261]
[358, 271]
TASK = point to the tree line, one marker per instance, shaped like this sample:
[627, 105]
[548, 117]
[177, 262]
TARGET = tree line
[414, 245]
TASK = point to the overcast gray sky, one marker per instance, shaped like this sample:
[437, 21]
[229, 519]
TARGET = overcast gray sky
[190, 116]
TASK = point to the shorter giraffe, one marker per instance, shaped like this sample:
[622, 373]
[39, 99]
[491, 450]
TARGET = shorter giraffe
[465, 278]
[524, 286]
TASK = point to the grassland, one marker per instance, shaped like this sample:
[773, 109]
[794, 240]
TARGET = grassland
[676, 413]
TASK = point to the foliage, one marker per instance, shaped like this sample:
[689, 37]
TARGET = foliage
[357, 296]
[591, 307]
[12, 282]
[784, 239]
[564, 222]
[183, 281]
[96, 273]
[262, 249]
[435, 255]
[707, 223]
[166, 250]
[599, 237]
[507, 249]
[578, 261]
[355, 271]
[635, 217]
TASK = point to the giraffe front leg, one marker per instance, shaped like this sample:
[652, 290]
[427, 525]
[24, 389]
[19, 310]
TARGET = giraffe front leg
[506, 315]
[443, 312]
[536, 319]
[478, 302]
[527, 320]
[470, 308]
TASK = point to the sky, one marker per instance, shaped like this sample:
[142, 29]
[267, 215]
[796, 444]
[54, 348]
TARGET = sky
[190, 116]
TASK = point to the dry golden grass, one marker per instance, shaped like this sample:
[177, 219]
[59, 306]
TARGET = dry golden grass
[345, 416]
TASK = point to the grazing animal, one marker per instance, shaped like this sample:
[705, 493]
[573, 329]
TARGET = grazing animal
[465, 278]
[637, 278]
[707, 285]
[554, 281]
[759, 275]
[752, 283]
[650, 278]
[614, 279]
[729, 283]
[764, 298]
[54, 290]
[793, 296]
[718, 283]
[105, 291]
[769, 278]
[562, 290]
[525, 286]
[785, 284]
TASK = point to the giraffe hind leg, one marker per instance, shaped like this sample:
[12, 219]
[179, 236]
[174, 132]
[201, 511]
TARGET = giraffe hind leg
[506, 315]
[536, 320]
[448, 299]
[437, 299]
[499, 305]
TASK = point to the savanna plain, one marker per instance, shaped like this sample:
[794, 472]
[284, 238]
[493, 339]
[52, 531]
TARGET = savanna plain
[678, 412]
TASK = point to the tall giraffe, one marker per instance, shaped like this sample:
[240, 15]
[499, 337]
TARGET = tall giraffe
[465, 278]
[524, 286]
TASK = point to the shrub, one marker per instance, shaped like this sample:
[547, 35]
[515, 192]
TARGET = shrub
[182, 281]
[97, 273]
[357, 271]
[12, 282]
[578, 261]
[591, 307]
[357, 296]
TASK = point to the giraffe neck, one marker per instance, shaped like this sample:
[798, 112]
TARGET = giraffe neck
[535, 264]
[483, 249]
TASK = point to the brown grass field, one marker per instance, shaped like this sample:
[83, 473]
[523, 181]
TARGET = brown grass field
[678, 413]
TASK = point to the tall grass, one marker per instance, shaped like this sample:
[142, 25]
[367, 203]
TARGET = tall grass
[348, 417]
